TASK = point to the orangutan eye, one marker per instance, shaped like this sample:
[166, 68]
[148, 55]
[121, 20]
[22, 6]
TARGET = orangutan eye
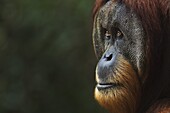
[107, 35]
[119, 33]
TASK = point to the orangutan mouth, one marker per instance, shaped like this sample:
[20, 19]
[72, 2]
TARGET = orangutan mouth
[103, 86]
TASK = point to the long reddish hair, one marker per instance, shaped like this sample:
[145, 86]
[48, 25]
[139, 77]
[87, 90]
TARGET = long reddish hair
[155, 18]
[150, 12]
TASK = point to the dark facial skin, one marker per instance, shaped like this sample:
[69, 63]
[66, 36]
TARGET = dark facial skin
[117, 31]
[118, 39]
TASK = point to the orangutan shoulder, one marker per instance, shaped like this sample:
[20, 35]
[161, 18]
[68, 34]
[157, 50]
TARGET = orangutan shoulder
[161, 106]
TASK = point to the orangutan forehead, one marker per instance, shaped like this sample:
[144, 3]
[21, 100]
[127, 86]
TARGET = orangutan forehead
[113, 13]
[110, 12]
[107, 12]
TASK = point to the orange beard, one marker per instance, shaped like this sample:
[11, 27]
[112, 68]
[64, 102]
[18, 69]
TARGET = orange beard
[124, 99]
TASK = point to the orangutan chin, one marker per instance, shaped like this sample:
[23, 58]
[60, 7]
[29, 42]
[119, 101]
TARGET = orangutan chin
[132, 42]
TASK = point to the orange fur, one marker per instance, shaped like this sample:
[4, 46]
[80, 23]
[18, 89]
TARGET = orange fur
[121, 99]
[155, 18]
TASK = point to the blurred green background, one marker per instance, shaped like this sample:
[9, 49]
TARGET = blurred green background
[47, 61]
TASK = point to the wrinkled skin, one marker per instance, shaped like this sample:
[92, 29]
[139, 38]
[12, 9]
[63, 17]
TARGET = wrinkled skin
[119, 42]
[131, 39]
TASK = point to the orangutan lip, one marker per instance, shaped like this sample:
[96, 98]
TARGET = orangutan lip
[101, 86]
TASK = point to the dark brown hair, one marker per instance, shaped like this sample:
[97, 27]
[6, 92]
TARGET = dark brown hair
[155, 18]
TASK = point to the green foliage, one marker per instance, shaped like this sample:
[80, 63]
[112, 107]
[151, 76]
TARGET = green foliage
[46, 57]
